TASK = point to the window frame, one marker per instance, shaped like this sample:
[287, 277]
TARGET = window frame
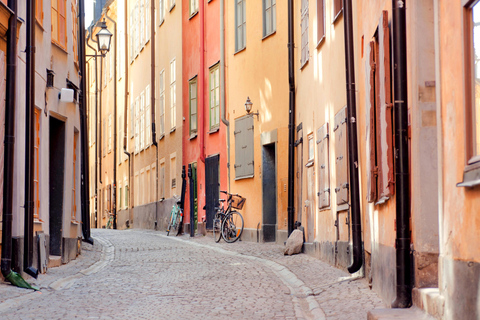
[39, 14]
[304, 21]
[36, 170]
[173, 95]
[215, 109]
[337, 13]
[242, 26]
[162, 103]
[322, 13]
[193, 10]
[193, 132]
[57, 15]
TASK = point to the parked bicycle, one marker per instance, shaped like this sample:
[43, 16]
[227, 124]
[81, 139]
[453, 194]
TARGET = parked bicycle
[228, 223]
[176, 217]
[110, 221]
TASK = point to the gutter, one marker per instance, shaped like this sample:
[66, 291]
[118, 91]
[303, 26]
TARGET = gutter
[352, 141]
[85, 190]
[201, 76]
[96, 127]
[114, 122]
[29, 142]
[402, 241]
[152, 97]
[291, 118]
[99, 112]
[222, 84]
[126, 106]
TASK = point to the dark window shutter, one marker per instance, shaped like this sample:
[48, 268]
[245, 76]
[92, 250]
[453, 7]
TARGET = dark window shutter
[337, 7]
[384, 112]
[320, 20]
[341, 167]
[323, 167]
[370, 121]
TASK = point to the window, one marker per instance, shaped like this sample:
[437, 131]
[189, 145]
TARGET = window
[161, 102]
[141, 22]
[162, 179]
[104, 137]
[126, 196]
[147, 20]
[311, 148]
[240, 25]
[137, 125]
[323, 167]
[380, 171]
[269, 17]
[173, 97]
[193, 106]
[172, 4]
[59, 23]
[341, 163]
[244, 147]
[320, 20]
[131, 34]
[132, 113]
[473, 84]
[304, 29]
[337, 8]
[148, 117]
[109, 133]
[193, 7]
[120, 197]
[214, 97]
[75, 31]
[39, 11]
[74, 181]
[152, 185]
[142, 120]
[36, 169]
[173, 170]
[119, 141]
[161, 11]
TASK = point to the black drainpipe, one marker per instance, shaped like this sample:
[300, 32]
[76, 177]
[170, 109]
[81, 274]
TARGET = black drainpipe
[291, 119]
[99, 113]
[352, 140]
[126, 108]
[96, 128]
[9, 141]
[152, 99]
[114, 123]
[29, 139]
[402, 242]
[85, 185]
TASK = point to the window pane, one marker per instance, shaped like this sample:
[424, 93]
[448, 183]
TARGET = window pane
[476, 108]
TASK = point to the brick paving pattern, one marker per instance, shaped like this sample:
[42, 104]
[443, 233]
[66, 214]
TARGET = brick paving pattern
[142, 274]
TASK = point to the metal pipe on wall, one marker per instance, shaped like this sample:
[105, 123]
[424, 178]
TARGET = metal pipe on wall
[222, 84]
[291, 119]
[114, 122]
[201, 81]
[126, 103]
[402, 179]
[10, 101]
[29, 141]
[354, 186]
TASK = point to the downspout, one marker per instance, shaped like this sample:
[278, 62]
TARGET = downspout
[29, 139]
[85, 178]
[201, 76]
[9, 160]
[99, 114]
[402, 242]
[125, 123]
[96, 127]
[222, 84]
[152, 98]
[114, 123]
[356, 219]
[291, 117]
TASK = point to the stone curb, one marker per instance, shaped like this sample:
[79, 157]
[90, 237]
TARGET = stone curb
[296, 286]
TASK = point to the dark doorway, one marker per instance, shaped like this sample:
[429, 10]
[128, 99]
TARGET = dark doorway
[212, 186]
[269, 187]
[56, 177]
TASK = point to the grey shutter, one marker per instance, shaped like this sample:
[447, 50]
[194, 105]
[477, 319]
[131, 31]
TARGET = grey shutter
[341, 168]
[249, 164]
[323, 167]
[244, 165]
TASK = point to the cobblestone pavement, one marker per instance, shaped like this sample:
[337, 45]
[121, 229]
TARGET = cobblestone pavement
[141, 274]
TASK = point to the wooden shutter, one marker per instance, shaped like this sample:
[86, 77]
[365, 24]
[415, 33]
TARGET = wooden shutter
[249, 168]
[62, 23]
[323, 167]
[239, 133]
[341, 163]
[370, 122]
[384, 112]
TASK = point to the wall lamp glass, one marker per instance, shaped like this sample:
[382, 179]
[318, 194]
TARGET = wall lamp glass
[248, 108]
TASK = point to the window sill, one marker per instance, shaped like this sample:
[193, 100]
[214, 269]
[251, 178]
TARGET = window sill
[343, 207]
[37, 221]
[74, 222]
[240, 50]
[269, 35]
[161, 22]
[59, 46]
[171, 8]
[161, 137]
[214, 130]
[40, 25]
[337, 17]
[309, 163]
[173, 129]
[193, 136]
[471, 176]
[320, 42]
[304, 64]
[245, 177]
[193, 15]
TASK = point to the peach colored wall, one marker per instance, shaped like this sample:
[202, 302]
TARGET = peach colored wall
[260, 72]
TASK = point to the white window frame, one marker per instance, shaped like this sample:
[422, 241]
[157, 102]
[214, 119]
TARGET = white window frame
[173, 96]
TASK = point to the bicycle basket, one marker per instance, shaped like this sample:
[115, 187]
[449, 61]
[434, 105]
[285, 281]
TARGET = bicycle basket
[237, 201]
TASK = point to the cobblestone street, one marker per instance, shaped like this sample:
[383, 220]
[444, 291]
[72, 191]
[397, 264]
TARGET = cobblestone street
[140, 274]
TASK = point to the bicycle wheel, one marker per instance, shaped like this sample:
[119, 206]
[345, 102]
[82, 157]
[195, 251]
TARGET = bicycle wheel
[217, 225]
[178, 221]
[232, 227]
[172, 221]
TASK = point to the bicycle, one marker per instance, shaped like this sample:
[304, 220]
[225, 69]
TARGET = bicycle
[110, 222]
[228, 223]
[176, 217]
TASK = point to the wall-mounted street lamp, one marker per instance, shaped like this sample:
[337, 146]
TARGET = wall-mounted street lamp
[248, 108]
[104, 37]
